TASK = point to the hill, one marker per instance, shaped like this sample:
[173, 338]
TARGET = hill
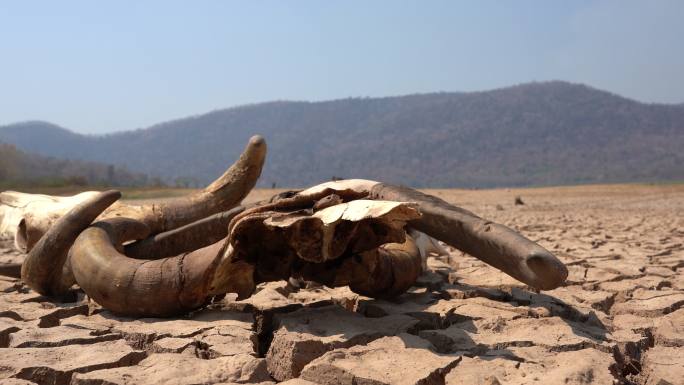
[532, 134]
[21, 169]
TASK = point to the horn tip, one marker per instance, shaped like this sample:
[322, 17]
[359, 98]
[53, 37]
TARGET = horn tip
[112, 193]
[549, 270]
[257, 141]
[107, 198]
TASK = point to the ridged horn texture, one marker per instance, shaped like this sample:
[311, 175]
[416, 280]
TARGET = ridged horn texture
[184, 239]
[385, 272]
[223, 194]
[135, 287]
[154, 285]
[43, 268]
[490, 242]
[264, 244]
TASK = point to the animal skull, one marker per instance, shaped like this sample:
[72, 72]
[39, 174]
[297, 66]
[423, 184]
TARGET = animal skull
[165, 259]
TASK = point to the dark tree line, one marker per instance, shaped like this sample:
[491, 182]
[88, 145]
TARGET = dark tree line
[18, 168]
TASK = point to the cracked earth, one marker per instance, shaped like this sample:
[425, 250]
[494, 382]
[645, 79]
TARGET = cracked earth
[618, 319]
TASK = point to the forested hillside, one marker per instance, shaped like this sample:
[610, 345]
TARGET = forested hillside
[21, 169]
[532, 134]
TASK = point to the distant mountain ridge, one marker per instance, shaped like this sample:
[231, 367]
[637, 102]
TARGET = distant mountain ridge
[532, 134]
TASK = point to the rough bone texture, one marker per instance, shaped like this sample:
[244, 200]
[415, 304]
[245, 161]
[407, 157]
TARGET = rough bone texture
[618, 320]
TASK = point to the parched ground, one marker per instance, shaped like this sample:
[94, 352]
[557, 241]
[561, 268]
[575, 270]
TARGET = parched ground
[619, 318]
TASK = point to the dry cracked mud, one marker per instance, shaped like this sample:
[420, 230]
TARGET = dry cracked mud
[619, 318]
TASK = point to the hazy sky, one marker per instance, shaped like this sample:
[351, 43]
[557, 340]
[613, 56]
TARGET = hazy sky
[97, 67]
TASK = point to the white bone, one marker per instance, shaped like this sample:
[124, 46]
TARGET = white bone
[20, 213]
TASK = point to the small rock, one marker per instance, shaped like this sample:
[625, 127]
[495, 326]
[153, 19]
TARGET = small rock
[628, 348]
[632, 268]
[662, 366]
[575, 295]
[172, 345]
[660, 271]
[672, 261]
[483, 308]
[678, 280]
[483, 276]
[586, 366]
[230, 331]
[167, 368]
[633, 322]
[457, 291]
[274, 297]
[545, 305]
[596, 274]
[34, 307]
[307, 334]
[227, 341]
[669, 330]
[484, 371]
[34, 337]
[401, 360]
[650, 303]
[626, 286]
[56, 365]
[576, 274]
[424, 306]
[552, 333]
[342, 296]
[7, 327]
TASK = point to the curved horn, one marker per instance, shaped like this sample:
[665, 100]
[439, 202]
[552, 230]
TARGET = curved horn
[42, 269]
[28, 216]
[224, 193]
[384, 272]
[136, 287]
[187, 238]
[387, 271]
[490, 242]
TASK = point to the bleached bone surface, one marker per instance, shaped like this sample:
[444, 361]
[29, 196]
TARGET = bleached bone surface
[358, 185]
[426, 246]
[21, 213]
[393, 215]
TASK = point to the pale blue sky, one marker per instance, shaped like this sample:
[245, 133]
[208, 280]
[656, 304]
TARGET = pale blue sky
[95, 66]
